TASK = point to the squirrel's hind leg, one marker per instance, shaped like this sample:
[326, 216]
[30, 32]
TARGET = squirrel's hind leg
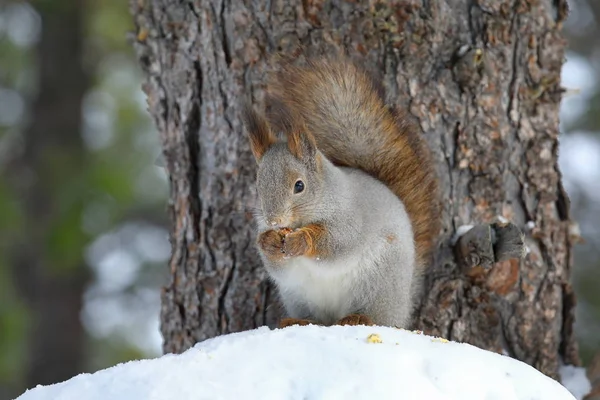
[352, 319]
[356, 319]
[285, 322]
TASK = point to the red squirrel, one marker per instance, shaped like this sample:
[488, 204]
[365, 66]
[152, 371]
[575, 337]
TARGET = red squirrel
[349, 207]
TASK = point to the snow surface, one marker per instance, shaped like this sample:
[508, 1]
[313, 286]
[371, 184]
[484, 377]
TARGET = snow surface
[575, 380]
[312, 362]
[502, 219]
[460, 231]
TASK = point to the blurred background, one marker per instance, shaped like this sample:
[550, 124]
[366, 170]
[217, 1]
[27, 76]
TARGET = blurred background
[83, 227]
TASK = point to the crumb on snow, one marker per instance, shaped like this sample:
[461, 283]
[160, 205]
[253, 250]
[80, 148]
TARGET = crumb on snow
[374, 338]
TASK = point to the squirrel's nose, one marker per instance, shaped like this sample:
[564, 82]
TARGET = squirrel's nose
[273, 221]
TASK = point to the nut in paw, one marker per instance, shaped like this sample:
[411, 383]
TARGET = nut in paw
[271, 243]
[296, 244]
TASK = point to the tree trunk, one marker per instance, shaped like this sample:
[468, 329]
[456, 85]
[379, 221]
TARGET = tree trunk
[483, 80]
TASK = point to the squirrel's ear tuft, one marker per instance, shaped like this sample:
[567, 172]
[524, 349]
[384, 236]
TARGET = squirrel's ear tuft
[301, 144]
[260, 134]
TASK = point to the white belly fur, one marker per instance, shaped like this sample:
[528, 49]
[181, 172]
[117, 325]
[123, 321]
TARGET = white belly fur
[325, 288]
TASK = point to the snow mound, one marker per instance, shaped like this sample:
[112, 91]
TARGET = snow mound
[312, 362]
[575, 380]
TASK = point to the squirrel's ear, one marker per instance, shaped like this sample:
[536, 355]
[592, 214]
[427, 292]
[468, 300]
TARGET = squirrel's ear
[260, 134]
[302, 144]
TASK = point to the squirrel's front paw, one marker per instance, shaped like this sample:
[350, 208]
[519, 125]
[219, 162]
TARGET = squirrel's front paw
[296, 243]
[271, 243]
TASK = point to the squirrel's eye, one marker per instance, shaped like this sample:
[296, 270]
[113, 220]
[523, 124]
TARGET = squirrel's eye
[298, 187]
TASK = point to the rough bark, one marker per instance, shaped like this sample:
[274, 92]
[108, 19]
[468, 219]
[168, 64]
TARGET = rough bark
[483, 80]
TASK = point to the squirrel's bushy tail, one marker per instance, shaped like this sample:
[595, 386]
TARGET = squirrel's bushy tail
[346, 112]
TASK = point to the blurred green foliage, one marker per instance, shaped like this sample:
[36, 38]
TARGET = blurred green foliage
[117, 185]
[582, 31]
[13, 325]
